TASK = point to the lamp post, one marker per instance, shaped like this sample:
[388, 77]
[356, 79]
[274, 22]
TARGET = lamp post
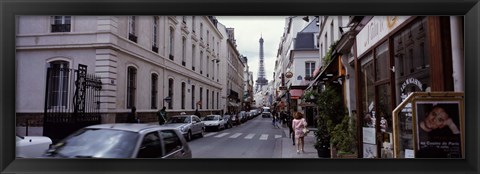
[288, 75]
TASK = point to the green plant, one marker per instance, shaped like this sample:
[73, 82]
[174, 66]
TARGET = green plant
[330, 113]
[328, 57]
[343, 135]
[307, 96]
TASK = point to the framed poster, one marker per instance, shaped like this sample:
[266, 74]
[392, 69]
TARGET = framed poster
[439, 128]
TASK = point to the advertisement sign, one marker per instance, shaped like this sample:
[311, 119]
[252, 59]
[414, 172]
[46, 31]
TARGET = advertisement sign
[376, 29]
[438, 130]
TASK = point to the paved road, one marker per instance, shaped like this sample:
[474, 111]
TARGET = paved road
[257, 138]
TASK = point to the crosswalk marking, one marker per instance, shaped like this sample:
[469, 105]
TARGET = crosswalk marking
[249, 136]
[210, 134]
[236, 135]
[221, 135]
[264, 137]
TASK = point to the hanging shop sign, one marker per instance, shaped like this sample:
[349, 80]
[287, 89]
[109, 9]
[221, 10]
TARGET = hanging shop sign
[376, 29]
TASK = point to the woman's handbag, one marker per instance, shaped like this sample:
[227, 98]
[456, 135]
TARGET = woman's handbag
[305, 130]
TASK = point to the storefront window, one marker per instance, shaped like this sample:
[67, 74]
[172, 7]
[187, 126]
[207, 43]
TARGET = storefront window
[412, 66]
[412, 74]
[382, 67]
[368, 97]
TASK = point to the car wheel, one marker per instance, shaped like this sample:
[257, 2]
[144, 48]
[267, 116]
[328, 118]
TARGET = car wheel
[202, 133]
[189, 135]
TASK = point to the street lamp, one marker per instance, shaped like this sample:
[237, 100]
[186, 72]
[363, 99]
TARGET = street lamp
[288, 75]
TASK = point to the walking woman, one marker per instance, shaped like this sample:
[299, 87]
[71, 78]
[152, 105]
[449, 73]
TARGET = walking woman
[298, 124]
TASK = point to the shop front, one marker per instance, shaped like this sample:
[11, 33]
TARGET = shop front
[397, 55]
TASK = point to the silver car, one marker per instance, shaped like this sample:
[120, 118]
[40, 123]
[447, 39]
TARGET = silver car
[214, 121]
[122, 141]
[188, 125]
[31, 146]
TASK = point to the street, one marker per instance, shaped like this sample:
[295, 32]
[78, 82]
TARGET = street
[256, 138]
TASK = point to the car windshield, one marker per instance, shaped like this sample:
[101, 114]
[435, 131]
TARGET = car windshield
[179, 120]
[96, 143]
[211, 118]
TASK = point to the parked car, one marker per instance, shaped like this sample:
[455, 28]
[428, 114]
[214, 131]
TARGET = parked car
[236, 119]
[254, 112]
[124, 140]
[188, 125]
[213, 122]
[32, 146]
[243, 116]
[266, 115]
[228, 121]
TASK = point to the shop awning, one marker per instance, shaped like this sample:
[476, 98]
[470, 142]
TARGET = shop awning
[296, 93]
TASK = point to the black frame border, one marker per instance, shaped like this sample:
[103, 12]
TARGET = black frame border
[11, 8]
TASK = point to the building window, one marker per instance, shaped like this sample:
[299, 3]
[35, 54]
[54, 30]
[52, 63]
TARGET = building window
[155, 34]
[193, 96]
[331, 33]
[201, 62]
[208, 67]
[131, 29]
[61, 23]
[213, 100]
[154, 91]
[381, 62]
[131, 86]
[184, 50]
[171, 44]
[193, 57]
[184, 19]
[208, 35]
[201, 98]
[193, 24]
[58, 84]
[170, 93]
[309, 68]
[411, 53]
[207, 99]
[201, 31]
[183, 95]
[217, 100]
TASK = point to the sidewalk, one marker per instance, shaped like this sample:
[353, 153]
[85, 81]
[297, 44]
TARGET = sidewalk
[290, 151]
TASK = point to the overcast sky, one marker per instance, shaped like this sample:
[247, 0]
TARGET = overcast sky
[248, 30]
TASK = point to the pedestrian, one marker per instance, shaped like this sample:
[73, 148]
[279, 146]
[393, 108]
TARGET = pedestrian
[274, 121]
[298, 124]
[132, 116]
[162, 116]
[289, 124]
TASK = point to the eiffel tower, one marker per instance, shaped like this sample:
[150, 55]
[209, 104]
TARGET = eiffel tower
[261, 80]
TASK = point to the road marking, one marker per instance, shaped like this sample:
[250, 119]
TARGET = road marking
[264, 137]
[278, 136]
[235, 135]
[210, 134]
[249, 136]
[221, 135]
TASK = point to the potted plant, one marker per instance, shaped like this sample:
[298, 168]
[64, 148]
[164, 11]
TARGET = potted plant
[342, 137]
[330, 113]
